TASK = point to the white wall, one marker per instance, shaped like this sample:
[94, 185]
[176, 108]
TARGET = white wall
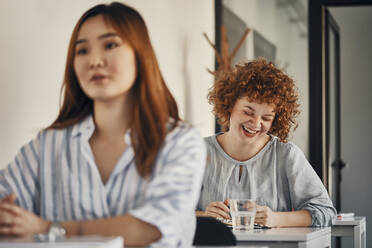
[356, 113]
[273, 23]
[33, 47]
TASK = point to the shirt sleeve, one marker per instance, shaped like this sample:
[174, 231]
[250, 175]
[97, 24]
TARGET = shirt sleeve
[20, 176]
[174, 188]
[307, 190]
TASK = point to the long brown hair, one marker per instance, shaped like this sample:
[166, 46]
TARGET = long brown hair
[153, 103]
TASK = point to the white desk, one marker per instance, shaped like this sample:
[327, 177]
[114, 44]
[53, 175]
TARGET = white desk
[73, 242]
[303, 237]
[249, 246]
[355, 227]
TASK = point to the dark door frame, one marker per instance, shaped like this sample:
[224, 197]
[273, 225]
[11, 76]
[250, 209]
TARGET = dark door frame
[333, 92]
[318, 148]
[218, 8]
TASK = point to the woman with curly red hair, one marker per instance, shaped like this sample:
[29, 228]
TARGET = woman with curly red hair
[256, 105]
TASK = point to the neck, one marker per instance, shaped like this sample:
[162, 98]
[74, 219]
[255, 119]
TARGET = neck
[112, 119]
[238, 150]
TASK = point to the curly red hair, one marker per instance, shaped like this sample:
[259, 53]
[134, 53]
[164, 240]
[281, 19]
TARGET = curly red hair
[261, 82]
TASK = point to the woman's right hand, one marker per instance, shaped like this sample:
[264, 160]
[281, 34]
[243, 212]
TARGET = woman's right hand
[217, 209]
[9, 198]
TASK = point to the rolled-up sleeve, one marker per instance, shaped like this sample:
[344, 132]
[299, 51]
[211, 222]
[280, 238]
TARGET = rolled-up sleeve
[307, 190]
[174, 187]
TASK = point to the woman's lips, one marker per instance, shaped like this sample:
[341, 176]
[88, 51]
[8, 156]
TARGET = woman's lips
[97, 78]
[249, 134]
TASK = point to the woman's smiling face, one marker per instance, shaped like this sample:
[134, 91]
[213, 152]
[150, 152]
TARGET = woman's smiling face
[251, 121]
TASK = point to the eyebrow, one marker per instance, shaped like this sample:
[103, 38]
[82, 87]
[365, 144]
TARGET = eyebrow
[250, 108]
[102, 36]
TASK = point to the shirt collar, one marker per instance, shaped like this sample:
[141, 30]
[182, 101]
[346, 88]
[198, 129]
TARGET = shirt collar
[84, 127]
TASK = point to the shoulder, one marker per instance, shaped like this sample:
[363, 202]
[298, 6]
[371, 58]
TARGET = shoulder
[83, 127]
[46, 142]
[291, 157]
[54, 133]
[288, 149]
[42, 136]
[212, 147]
[209, 142]
[56, 138]
[184, 134]
[185, 146]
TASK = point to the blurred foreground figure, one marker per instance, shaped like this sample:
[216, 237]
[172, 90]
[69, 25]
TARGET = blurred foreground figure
[117, 161]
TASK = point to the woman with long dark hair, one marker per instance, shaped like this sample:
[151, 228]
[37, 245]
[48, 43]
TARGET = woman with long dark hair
[117, 161]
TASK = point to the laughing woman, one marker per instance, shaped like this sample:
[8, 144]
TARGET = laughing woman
[256, 104]
[117, 161]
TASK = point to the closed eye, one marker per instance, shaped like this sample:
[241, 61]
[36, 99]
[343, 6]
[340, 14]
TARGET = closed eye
[267, 119]
[248, 113]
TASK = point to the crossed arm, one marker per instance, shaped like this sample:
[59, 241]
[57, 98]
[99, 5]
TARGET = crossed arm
[16, 221]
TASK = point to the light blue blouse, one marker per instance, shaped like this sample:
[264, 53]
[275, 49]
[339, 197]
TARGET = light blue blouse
[55, 176]
[279, 177]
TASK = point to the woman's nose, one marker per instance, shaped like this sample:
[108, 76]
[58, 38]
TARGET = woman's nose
[256, 122]
[96, 60]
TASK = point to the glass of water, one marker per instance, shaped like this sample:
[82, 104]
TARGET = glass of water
[243, 212]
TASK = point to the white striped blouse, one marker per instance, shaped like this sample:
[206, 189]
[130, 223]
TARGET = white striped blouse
[55, 176]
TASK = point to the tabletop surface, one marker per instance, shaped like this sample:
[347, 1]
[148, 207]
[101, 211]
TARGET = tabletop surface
[350, 221]
[73, 242]
[282, 234]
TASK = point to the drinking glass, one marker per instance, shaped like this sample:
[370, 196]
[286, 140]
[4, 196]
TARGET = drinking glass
[243, 212]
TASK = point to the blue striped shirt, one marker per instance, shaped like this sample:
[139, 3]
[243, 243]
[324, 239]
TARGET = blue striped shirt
[55, 176]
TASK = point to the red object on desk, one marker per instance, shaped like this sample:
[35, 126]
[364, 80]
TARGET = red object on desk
[341, 216]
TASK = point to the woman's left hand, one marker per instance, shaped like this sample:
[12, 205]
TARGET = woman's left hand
[266, 217]
[16, 221]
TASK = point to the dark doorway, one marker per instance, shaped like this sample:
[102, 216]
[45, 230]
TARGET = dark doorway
[324, 72]
[324, 84]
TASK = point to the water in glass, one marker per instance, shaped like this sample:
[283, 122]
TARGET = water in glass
[242, 220]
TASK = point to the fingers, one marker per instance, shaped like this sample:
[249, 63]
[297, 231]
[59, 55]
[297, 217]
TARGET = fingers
[10, 225]
[217, 209]
[262, 214]
[263, 210]
[12, 198]
[11, 208]
[6, 218]
[16, 221]
[260, 221]
[260, 208]
[9, 198]
[10, 218]
[212, 214]
[265, 216]
[219, 205]
[215, 212]
[222, 206]
[10, 231]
